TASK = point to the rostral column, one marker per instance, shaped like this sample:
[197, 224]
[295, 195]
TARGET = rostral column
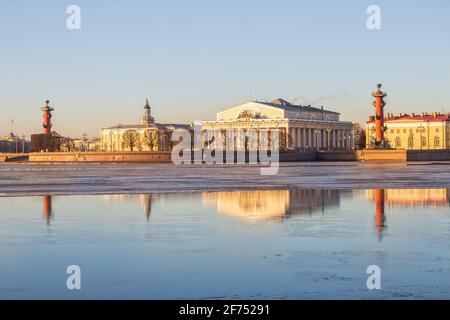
[379, 115]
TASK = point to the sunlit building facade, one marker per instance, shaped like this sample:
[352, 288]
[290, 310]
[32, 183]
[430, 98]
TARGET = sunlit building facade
[413, 131]
[147, 135]
[299, 127]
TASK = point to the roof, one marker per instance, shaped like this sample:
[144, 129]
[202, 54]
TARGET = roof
[424, 117]
[285, 105]
[153, 125]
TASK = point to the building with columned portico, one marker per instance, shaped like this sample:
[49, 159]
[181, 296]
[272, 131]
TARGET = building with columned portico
[299, 127]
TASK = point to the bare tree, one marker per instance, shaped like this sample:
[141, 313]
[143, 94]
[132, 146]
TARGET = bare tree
[130, 139]
[151, 139]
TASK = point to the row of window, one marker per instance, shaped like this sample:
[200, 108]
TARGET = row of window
[412, 130]
[398, 142]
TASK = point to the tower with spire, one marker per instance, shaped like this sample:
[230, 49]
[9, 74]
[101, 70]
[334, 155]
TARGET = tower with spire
[147, 118]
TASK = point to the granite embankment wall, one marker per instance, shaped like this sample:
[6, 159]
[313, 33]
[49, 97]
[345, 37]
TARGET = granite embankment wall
[298, 156]
[165, 156]
[360, 155]
[428, 155]
[6, 157]
[381, 155]
[403, 155]
[156, 157]
[336, 155]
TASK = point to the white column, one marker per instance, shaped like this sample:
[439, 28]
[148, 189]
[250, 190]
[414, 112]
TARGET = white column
[304, 137]
[338, 138]
[287, 137]
[299, 138]
[293, 137]
[334, 139]
[322, 137]
[319, 138]
[352, 146]
[345, 138]
[308, 138]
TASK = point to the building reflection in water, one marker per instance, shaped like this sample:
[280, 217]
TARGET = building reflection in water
[404, 198]
[253, 206]
[146, 201]
[48, 212]
[266, 205]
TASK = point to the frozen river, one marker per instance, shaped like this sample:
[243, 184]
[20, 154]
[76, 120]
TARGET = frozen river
[41, 179]
[142, 231]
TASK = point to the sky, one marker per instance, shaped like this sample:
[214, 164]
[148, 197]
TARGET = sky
[192, 58]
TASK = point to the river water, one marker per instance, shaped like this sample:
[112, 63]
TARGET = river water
[291, 243]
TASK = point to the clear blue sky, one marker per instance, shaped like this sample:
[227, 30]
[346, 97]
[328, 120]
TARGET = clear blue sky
[191, 58]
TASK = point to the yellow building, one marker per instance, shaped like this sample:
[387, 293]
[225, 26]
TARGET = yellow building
[145, 136]
[413, 197]
[413, 131]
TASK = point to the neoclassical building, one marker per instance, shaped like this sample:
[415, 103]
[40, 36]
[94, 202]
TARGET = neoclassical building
[144, 136]
[299, 127]
[413, 131]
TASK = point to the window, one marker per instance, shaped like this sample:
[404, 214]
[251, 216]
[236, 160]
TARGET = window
[404, 130]
[398, 142]
[417, 131]
[392, 130]
[398, 130]
[437, 142]
[424, 141]
[411, 142]
[437, 130]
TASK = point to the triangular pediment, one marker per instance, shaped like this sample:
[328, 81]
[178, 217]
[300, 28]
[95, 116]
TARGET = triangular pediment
[251, 110]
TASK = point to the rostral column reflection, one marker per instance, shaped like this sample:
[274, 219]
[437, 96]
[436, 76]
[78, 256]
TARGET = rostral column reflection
[380, 218]
[405, 198]
[47, 208]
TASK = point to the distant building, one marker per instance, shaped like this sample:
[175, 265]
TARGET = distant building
[299, 127]
[85, 144]
[14, 144]
[359, 137]
[413, 131]
[144, 136]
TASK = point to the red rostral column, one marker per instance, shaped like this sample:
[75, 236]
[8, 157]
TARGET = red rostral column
[47, 124]
[379, 115]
